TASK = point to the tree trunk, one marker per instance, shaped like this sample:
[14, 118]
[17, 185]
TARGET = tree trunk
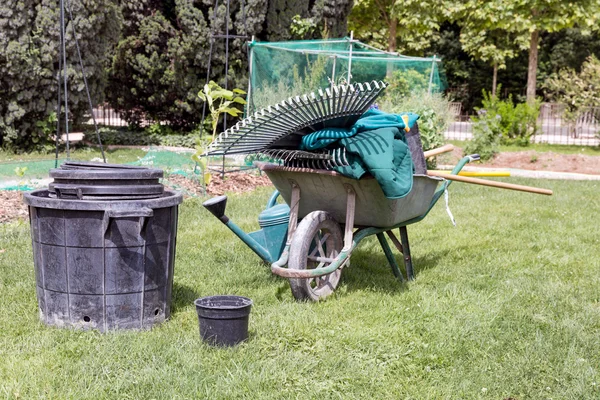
[532, 69]
[392, 44]
[495, 79]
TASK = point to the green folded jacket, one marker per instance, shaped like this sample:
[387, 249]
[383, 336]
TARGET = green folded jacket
[385, 155]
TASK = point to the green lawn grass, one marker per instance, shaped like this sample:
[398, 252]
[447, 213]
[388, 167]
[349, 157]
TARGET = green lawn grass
[504, 305]
[38, 164]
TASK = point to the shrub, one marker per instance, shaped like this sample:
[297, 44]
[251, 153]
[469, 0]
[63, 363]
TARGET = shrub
[514, 123]
[29, 38]
[120, 137]
[486, 137]
[156, 135]
[577, 91]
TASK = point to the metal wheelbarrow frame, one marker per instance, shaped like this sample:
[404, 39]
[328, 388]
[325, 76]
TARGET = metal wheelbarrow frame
[314, 266]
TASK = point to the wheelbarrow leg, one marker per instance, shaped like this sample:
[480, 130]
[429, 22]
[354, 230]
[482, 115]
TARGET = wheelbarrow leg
[390, 256]
[403, 248]
[406, 251]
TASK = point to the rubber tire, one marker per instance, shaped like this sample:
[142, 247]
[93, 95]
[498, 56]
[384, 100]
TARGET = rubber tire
[303, 289]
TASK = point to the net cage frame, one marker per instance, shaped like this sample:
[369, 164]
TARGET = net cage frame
[343, 57]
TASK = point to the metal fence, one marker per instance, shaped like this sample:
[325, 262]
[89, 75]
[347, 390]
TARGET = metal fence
[554, 127]
[105, 115]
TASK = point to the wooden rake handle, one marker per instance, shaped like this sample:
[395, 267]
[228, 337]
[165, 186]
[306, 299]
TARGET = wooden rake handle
[485, 182]
[444, 149]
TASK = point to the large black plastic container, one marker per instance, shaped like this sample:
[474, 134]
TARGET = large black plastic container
[98, 181]
[103, 264]
[223, 320]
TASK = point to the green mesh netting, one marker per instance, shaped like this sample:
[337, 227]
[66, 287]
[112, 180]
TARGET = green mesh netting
[35, 173]
[279, 70]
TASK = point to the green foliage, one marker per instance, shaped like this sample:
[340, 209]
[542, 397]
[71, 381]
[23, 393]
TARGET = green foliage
[407, 26]
[29, 39]
[486, 136]
[516, 123]
[302, 28]
[161, 65]
[155, 135]
[221, 102]
[403, 82]
[120, 137]
[314, 76]
[434, 116]
[502, 122]
[489, 30]
[576, 90]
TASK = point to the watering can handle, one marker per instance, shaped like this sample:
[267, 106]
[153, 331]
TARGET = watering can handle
[273, 199]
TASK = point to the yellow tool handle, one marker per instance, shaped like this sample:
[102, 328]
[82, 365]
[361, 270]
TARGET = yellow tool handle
[485, 182]
[475, 173]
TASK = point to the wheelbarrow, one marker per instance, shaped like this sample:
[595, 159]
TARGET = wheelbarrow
[310, 239]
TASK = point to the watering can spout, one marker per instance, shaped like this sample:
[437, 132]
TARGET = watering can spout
[254, 240]
[217, 206]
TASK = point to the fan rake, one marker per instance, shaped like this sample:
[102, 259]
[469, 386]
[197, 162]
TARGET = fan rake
[276, 131]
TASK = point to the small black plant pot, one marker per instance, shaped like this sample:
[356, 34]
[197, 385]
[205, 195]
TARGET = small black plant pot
[223, 320]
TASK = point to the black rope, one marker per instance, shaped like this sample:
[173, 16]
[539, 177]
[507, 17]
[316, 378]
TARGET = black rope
[65, 77]
[226, 72]
[58, 102]
[210, 52]
[87, 89]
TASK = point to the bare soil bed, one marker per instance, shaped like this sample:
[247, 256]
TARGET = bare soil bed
[535, 161]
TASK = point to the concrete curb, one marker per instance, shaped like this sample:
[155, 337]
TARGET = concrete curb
[525, 173]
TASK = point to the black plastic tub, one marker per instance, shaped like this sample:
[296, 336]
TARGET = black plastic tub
[103, 264]
[223, 320]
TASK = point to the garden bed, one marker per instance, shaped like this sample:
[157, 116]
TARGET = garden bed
[536, 161]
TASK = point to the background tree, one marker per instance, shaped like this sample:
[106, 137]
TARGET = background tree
[488, 32]
[406, 26]
[161, 66]
[29, 39]
[539, 16]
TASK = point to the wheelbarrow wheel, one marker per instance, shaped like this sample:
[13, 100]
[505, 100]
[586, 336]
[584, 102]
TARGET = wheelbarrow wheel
[317, 241]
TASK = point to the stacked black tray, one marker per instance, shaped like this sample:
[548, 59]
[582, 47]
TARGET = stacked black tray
[99, 181]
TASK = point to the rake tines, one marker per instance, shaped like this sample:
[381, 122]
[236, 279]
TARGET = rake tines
[339, 105]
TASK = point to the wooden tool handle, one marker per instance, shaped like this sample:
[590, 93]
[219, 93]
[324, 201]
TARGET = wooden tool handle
[486, 182]
[444, 149]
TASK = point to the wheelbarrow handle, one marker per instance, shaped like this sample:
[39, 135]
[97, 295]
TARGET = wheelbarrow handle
[485, 182]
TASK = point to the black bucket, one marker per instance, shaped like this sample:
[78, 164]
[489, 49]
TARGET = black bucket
[223, 319]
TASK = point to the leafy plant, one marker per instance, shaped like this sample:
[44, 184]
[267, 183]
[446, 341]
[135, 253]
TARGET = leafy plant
[486, 136]
[514, 123]
[20, 172]
[302, 28]
[221, 101]
[403, 82]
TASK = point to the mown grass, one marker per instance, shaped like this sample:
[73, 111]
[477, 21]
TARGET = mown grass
[117, 156]
[505, 305]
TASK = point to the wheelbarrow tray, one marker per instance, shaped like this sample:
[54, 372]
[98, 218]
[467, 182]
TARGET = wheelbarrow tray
[328, 191]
